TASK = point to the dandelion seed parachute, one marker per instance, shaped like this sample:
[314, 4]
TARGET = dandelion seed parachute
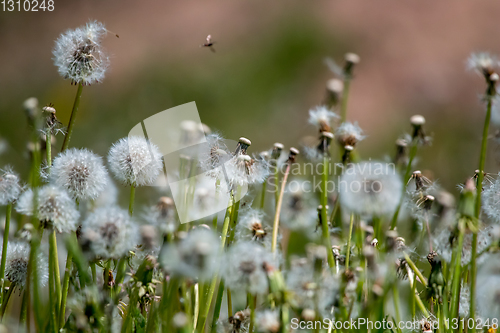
[54, 207]
[491, 201]
[213, 155]
[110, 233]
[80, 172]
[483, 62]
[244, 170]
[252, 226]
[79, 56]
[16, 264]
[10, 187]
[370, 188]
[135, 161]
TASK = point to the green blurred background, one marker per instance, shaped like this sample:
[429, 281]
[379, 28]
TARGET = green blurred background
[266, 73]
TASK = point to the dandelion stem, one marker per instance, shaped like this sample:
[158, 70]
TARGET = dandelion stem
[413, 153]
[6, 299]
[263, 194]
[455, 299]
[251, 301]
[415, 269]
[8, 216]
[55, 266]
[324, 215]
[345, 97]
[72, 118]
[348, 251]
[206, 308]
[479, 188]
[278, 210]
[229, 303]
[218, 303]
[65, 288]
[395, 295]
[48, 147]
[131, 202]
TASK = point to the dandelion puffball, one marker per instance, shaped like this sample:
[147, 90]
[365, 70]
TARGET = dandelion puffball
[79, 56]
[110, 233]
[370, 188]
[9, 186]
[54, 207]
[80, 172]
[135, 161]
[16, 264]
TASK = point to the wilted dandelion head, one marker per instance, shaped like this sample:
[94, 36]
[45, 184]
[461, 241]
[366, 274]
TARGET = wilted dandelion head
[321, 117]
[483, 63]
[239, 323]
[110, 233]
[370, 188]
[195, 256]
[349, 134]
[10, 188]
[213, 155]
[245, 267]
[16, 264]
[135, 161]
[80, 172]
[253, 227]
[488, 288]
[79, 56]
[243, 170]
[56, 209]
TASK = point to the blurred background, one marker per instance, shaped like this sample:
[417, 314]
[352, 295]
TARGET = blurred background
[266, 73]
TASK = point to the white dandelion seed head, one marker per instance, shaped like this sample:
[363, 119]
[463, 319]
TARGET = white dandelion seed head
[244, 170]
[16, 264]
[252, 226]
[195, 256]
[135, 161]
[301, 282]
[491, 201]
[299, 206]
[79, 56]
[329, 295]
[162, 215]
[80, 172]
[109, 232]
[54, 207]
[321, 117]
[243, 267]
[464, 304]
[10, 187]
[443, 246]
[370, 188]
[482, 62]
[488, 288]
[348, 134]
[267, 321]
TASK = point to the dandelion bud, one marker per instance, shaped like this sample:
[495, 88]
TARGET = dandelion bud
[135, 161]
[79, 56]
[80, 172]
[466, 205]
[277, 149]
[243, 144]
[346, 157]
[10, 189]
[351, 59]
[293, 154]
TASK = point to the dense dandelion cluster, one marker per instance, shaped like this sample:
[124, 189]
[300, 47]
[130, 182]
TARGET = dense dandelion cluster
[269, 242]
